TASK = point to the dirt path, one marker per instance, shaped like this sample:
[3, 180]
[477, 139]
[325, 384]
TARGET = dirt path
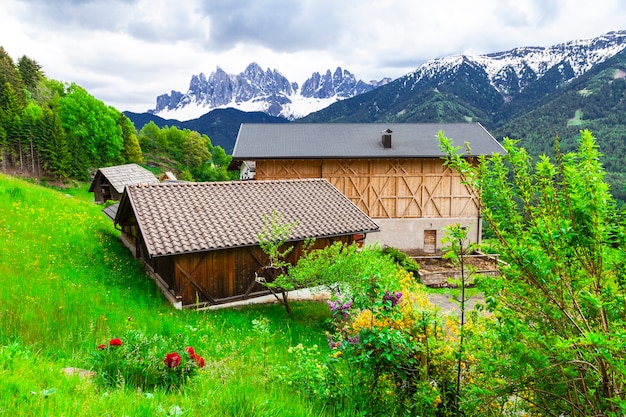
[443, 301]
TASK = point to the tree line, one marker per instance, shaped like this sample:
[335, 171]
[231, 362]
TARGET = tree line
[53, 129]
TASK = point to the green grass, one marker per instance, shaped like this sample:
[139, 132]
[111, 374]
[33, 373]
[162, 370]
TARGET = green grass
[68, 284]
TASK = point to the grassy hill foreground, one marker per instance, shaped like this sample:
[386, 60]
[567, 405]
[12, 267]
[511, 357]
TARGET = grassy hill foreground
[68, 285]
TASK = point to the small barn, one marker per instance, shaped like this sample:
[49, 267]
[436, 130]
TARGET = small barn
[108, 183]
[200, 240]
[393, 172]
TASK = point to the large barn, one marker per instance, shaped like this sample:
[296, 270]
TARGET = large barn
[393, 172]
[108, 183]
[200, 240]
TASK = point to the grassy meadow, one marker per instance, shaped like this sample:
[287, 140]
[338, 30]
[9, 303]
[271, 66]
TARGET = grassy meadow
[67, 284]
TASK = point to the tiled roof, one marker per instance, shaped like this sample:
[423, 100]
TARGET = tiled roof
[177, 218]
[356, 140]
[122, 175]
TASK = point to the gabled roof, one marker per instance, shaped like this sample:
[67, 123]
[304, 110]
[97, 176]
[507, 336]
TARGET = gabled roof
[177, 218]
[356, 140]
[121, 175]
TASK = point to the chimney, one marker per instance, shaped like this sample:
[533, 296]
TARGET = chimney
[386, 138]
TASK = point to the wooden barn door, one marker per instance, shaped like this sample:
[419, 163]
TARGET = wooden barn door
[430, 241]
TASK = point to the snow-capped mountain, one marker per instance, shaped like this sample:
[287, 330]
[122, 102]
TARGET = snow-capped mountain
[489, 88]
[258, 90]
[511, 71]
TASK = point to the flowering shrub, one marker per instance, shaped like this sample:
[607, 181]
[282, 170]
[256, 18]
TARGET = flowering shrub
[141, 362]
[391, 352]
[172, 360]
[340, 308]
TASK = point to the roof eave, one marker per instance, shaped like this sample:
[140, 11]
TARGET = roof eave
[394, 156]
[153, 255]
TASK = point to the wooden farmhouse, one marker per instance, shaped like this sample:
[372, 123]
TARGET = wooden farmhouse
[200, 240]
[393, 172]
[109, 182]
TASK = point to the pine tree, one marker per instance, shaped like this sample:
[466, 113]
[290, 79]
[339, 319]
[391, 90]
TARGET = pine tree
[9, 73]
[10, 120]
[57, 159]
[132, 150]
[30, 72]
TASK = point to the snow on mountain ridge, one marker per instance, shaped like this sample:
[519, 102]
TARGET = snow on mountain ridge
[509, 72]
[528, 63]
[257, 90]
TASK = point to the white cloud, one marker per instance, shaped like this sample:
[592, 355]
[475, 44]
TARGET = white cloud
[127, 52]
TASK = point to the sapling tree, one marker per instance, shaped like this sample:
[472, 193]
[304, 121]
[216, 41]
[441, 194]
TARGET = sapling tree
[272, 240]
[457, 248]
[558, 339]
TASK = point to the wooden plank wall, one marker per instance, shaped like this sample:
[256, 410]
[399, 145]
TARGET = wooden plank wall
[218, 276]
[385, 188]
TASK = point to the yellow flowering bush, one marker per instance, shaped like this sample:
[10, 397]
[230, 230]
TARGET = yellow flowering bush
[391, 351]
[398, 348]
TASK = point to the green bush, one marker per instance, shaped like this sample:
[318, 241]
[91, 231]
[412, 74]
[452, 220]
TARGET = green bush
[403, 260]
[339, 267]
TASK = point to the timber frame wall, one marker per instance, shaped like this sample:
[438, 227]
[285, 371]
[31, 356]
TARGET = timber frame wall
[385, 188]
[213, 277]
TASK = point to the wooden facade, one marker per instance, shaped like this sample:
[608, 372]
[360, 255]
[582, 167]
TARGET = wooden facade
[103, 190]
[407, 188]
[394, 172]
[213, 277]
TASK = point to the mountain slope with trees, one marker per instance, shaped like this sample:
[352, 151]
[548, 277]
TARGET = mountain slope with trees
[221, 125]
[595, 101]
[50, 129]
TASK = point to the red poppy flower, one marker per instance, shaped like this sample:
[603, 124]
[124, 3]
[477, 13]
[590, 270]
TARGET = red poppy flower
[172, 360]
[115, 342]
[190, 350]
[102, 346]
[199, 361]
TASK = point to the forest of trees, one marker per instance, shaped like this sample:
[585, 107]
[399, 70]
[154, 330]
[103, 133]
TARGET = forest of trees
[56, 130]
[193, 155]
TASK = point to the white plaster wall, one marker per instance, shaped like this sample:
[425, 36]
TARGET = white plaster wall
[408, 234]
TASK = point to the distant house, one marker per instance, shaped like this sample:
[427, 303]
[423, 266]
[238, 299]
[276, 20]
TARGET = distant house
[109, 182]
[200, 240]
[247, 170]
[167, 176]
[393, 172]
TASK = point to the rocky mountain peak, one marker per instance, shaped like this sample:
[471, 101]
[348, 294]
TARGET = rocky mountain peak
[510, 72]
[256, 89]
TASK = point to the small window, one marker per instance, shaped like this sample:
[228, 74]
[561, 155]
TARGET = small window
[430, 241]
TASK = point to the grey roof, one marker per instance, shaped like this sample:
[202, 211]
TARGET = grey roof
[122, 175]
[356, 140]
[176, 218]
[111, 210]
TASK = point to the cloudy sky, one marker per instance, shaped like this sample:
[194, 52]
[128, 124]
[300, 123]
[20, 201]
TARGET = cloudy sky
[127, 52]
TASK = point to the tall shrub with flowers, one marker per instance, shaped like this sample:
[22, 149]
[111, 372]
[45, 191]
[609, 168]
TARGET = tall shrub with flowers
[394, 349]
[137, 361]
[558, 338]
[390, 351]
